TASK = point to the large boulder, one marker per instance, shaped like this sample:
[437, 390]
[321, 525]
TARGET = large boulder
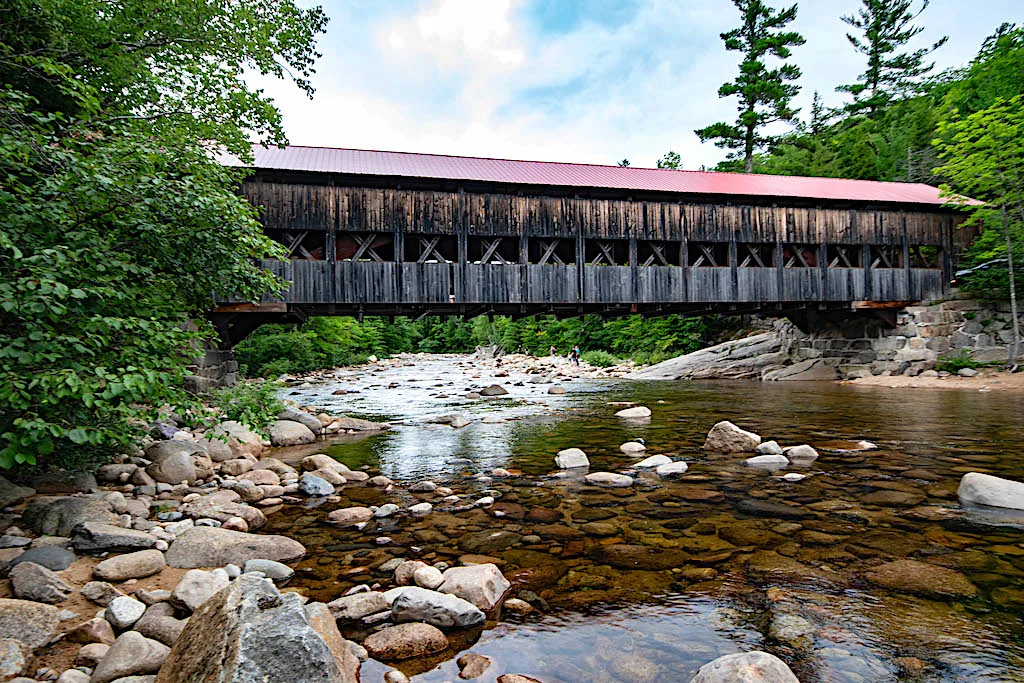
[738, 359]
[405, 641]
[570, 458]
[12, 494]
[984, 489]
[240, 438]
[746, 667]
[58, 516]
[436, 609]
[172, 462]
[32, 623]
[198, 586]
[302, 417]
[289, 433]
[31, 581]
[921, 578]
[811, 370]
[96, 538]
[251, 633]
[725, 437]
[135, 565]
[354, 424]
[132, 654]
[483, 585]
[204, 546]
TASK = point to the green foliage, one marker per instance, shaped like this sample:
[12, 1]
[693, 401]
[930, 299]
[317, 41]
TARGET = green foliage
[885, 26]
[764, 93]
[671, 160]
[252, 403]
[117, 224]
[599, 359]
[957, 362]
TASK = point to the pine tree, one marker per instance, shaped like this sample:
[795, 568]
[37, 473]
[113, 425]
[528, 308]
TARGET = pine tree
[819, 117]
[764, 93]
[624, 163]
[671, 160]
[886, 26]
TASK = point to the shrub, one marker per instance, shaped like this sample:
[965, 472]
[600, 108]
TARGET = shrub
[252, 403]
[600, 359]
[956, 363]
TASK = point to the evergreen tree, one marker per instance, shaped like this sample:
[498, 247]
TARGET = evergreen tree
[764, 93]
[671, 160]
[819, 118]
[887, 27]
[624, 163]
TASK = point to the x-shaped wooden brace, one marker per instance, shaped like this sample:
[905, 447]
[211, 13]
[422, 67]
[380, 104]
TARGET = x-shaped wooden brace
[549, 252]
[491, 250]
[797, 260]
[706, 255]
[295, 242]
[884, 256]
[924, 261]
[753, 258]
[842, 258]
[657, 254]
[429, 247]
[604, 255]
[365, 248]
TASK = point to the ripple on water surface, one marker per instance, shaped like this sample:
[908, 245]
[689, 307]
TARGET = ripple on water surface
[649, 583]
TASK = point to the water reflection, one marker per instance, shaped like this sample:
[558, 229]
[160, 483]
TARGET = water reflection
[650, 583]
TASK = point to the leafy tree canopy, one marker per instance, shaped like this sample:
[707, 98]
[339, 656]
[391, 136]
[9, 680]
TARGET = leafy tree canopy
[117, 223]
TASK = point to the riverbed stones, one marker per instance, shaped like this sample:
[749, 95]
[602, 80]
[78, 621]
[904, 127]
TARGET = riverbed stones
[764, 508]
[311, 422]
[251, 632]
[725, 437]
[921, 578]
[653, 462]
[671, 469]
[405, 641]
[346, 517]
[635, 413]
[31, 581]
[428, 577]
[494, 390]
[802, 453]
[198, 586]
[32, 623]
[213, 547]
[314, 486]
[135, 565]
[240, 439]
[58, 516]
[642, 557]
[746, 667]
[768, 448]
[358, 605]
[220, 506]
[96, 538]
[290, 433]
[52, 557]
[160, 624]
[12, 494]
[793, 630]
[608, 480]
[132, 654]
[435, 608]
[767, 462]
[95, 630]
[571, 458]
[482, 585]
[632, 447]
[172, 462]
[15, 659]
[124, 611]
[472, 666]
[984, 489]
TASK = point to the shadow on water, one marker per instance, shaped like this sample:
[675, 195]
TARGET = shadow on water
[650, 583]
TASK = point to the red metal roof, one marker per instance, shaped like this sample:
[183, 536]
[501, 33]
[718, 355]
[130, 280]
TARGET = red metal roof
[438, 166]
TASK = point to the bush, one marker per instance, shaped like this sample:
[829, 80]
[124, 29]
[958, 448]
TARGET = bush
[599, 359]
[252, 403]
[958, 362]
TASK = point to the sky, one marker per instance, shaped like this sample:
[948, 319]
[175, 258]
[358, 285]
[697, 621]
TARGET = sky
[589, 81]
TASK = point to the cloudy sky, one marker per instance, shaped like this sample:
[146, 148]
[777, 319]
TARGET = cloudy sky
[562, 80]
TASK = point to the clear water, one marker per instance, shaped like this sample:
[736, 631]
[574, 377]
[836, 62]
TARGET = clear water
[717, 573]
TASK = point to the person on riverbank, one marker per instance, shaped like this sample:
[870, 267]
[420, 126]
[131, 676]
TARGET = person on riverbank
[553, 351]
[574, 355]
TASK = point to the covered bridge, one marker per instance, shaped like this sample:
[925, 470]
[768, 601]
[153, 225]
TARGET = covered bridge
[389, 233]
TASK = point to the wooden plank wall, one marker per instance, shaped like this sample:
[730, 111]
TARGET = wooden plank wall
[402, 212]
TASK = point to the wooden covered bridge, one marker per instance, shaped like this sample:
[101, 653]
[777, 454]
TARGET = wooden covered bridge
[386, 233]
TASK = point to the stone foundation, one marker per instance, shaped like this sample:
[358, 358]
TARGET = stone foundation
[217, 368]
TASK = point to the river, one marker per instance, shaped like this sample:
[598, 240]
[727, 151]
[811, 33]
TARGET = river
[649, 583]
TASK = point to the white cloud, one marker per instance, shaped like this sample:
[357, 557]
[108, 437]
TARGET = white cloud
[473, 77]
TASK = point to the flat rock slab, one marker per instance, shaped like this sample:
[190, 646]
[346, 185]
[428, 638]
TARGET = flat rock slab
[93, 537]
[921, 578]
[212, 547]
[58, 516]
[32, 623]
[52, 557]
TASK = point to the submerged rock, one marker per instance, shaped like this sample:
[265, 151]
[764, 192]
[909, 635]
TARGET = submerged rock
[405, 641]
[653, 461]
[747, 667]
[438, 609]
[725, 437]
[768, 462]
[671, 469]
[608, 480]
[634, 413]
[921, 578]
[482, 585]
[984, 489]
[570, 458]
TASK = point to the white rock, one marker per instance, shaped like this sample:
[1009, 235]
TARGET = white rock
[124, 611]
[482, 584]
[794, 476]
[434, 608]
[768, 462]
[984, 489]
[634, 413]
[570, 458]
[654, 461]
[725, 437]
[421, 508]
[769, 448]
[671, 469]
[803, 452]
[386, 510]
[485, 501]
[428, 577]
[632, 447]
[198, 586]
[609, 480]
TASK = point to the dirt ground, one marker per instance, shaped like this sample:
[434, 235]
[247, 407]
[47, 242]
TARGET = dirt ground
[986, 380]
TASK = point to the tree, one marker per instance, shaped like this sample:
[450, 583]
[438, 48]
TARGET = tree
[764, 93]
[624, 163]
[983, 160]
[886, 27]
[819, 117]
[117, 223]
[671, 160]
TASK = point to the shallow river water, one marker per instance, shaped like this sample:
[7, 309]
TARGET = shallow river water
[649, 583]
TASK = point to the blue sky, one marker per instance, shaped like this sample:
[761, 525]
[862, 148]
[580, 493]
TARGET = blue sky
[556, 80]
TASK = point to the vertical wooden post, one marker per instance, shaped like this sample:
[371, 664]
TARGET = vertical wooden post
[734, 266]
[634, 271]
[684, 262]
[823, 268]
[865, 259]
[906, 261]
